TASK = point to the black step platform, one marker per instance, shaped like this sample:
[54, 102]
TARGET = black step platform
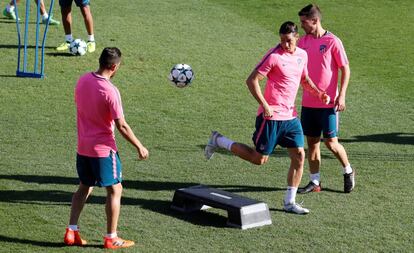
[242, 212]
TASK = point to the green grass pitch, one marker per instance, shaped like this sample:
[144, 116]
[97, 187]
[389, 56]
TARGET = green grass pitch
[222, 40]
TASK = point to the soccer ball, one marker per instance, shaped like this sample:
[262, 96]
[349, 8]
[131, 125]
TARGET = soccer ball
[181, 75]
[78, 47]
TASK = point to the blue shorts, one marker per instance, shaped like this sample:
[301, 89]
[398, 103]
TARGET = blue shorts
[269, 133]
[319, 120]
[79, 3]
[99, 171]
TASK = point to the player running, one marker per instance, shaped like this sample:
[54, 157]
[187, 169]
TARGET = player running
[285, 67]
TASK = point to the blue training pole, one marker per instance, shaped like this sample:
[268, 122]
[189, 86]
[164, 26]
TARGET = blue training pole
[25, 72]
[37, 37]
[44, 37]
[19, 42]
[26, 31]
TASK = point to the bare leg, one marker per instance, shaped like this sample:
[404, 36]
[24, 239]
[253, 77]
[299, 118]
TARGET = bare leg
[87, 17]
[78, 202]
[314, 154]
[247, 153]
[113, 207]
[42, 6]
[12, 2]
[297, 160]
[338, 150]
[67, 19]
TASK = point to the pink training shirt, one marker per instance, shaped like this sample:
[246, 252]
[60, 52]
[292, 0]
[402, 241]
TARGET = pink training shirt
[284, 72]
[326, 56]
[98, 104]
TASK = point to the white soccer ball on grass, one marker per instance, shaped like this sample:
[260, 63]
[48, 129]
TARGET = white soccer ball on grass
[78, 47]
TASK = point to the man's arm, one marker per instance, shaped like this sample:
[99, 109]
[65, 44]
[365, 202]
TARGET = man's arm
[129, 135]
[340, 100]
[310, 86]
[253, 84]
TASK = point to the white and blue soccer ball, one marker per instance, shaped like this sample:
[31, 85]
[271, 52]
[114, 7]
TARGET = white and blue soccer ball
[181, 75]
[78, 47]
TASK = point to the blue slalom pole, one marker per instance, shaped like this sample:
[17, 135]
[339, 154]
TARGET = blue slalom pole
[37, 37]
[42, 65]
[26, 28]
[19, 42]
[23, 71]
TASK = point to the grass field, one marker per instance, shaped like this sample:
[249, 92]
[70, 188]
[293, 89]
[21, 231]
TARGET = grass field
[222, 40]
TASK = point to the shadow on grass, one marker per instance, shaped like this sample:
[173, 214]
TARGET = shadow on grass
[277, 210]
[202, 218]
[8, 76]
[7, 21]
[332, 190]
[393, 138]
[139, 185]
[29, 46]
[11, 21]
[8, 239]
[57, 197]
[62, 54]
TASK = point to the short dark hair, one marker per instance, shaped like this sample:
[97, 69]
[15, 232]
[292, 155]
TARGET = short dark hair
[311, 11]
[288, 27]
[109, 56]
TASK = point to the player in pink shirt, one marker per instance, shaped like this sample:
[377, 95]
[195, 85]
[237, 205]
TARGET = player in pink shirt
[99, 111]
[285, 67]
[326, 58]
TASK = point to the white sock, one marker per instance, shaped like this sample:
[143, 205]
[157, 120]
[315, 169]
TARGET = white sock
[91, 37]
[315, 178]
[9, 8]
[73, 227]
[45, 16]
[290, 195]
[224, 142]
[69, 37]
[113, 235]
[348, 169]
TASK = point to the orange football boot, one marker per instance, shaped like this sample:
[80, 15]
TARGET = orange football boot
[117, 243]
[73, 238]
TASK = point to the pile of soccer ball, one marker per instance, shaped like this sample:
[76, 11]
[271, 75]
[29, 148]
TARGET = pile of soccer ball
[78, 47]
[181, 75]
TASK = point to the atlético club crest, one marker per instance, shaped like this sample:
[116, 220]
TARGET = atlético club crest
[322, 49]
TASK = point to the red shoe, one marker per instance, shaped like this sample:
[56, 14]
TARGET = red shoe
[117, 243]
[73, 238]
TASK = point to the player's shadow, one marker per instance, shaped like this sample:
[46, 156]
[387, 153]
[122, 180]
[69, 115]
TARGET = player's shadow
[393, 138]
[138, 184]
[7, 239]
[57, 197]
[8, 76]
[332, 190]
[21, 23]
[34, 197]
[60, 54]
[277, 210]
[29, 46]
[7, 21]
